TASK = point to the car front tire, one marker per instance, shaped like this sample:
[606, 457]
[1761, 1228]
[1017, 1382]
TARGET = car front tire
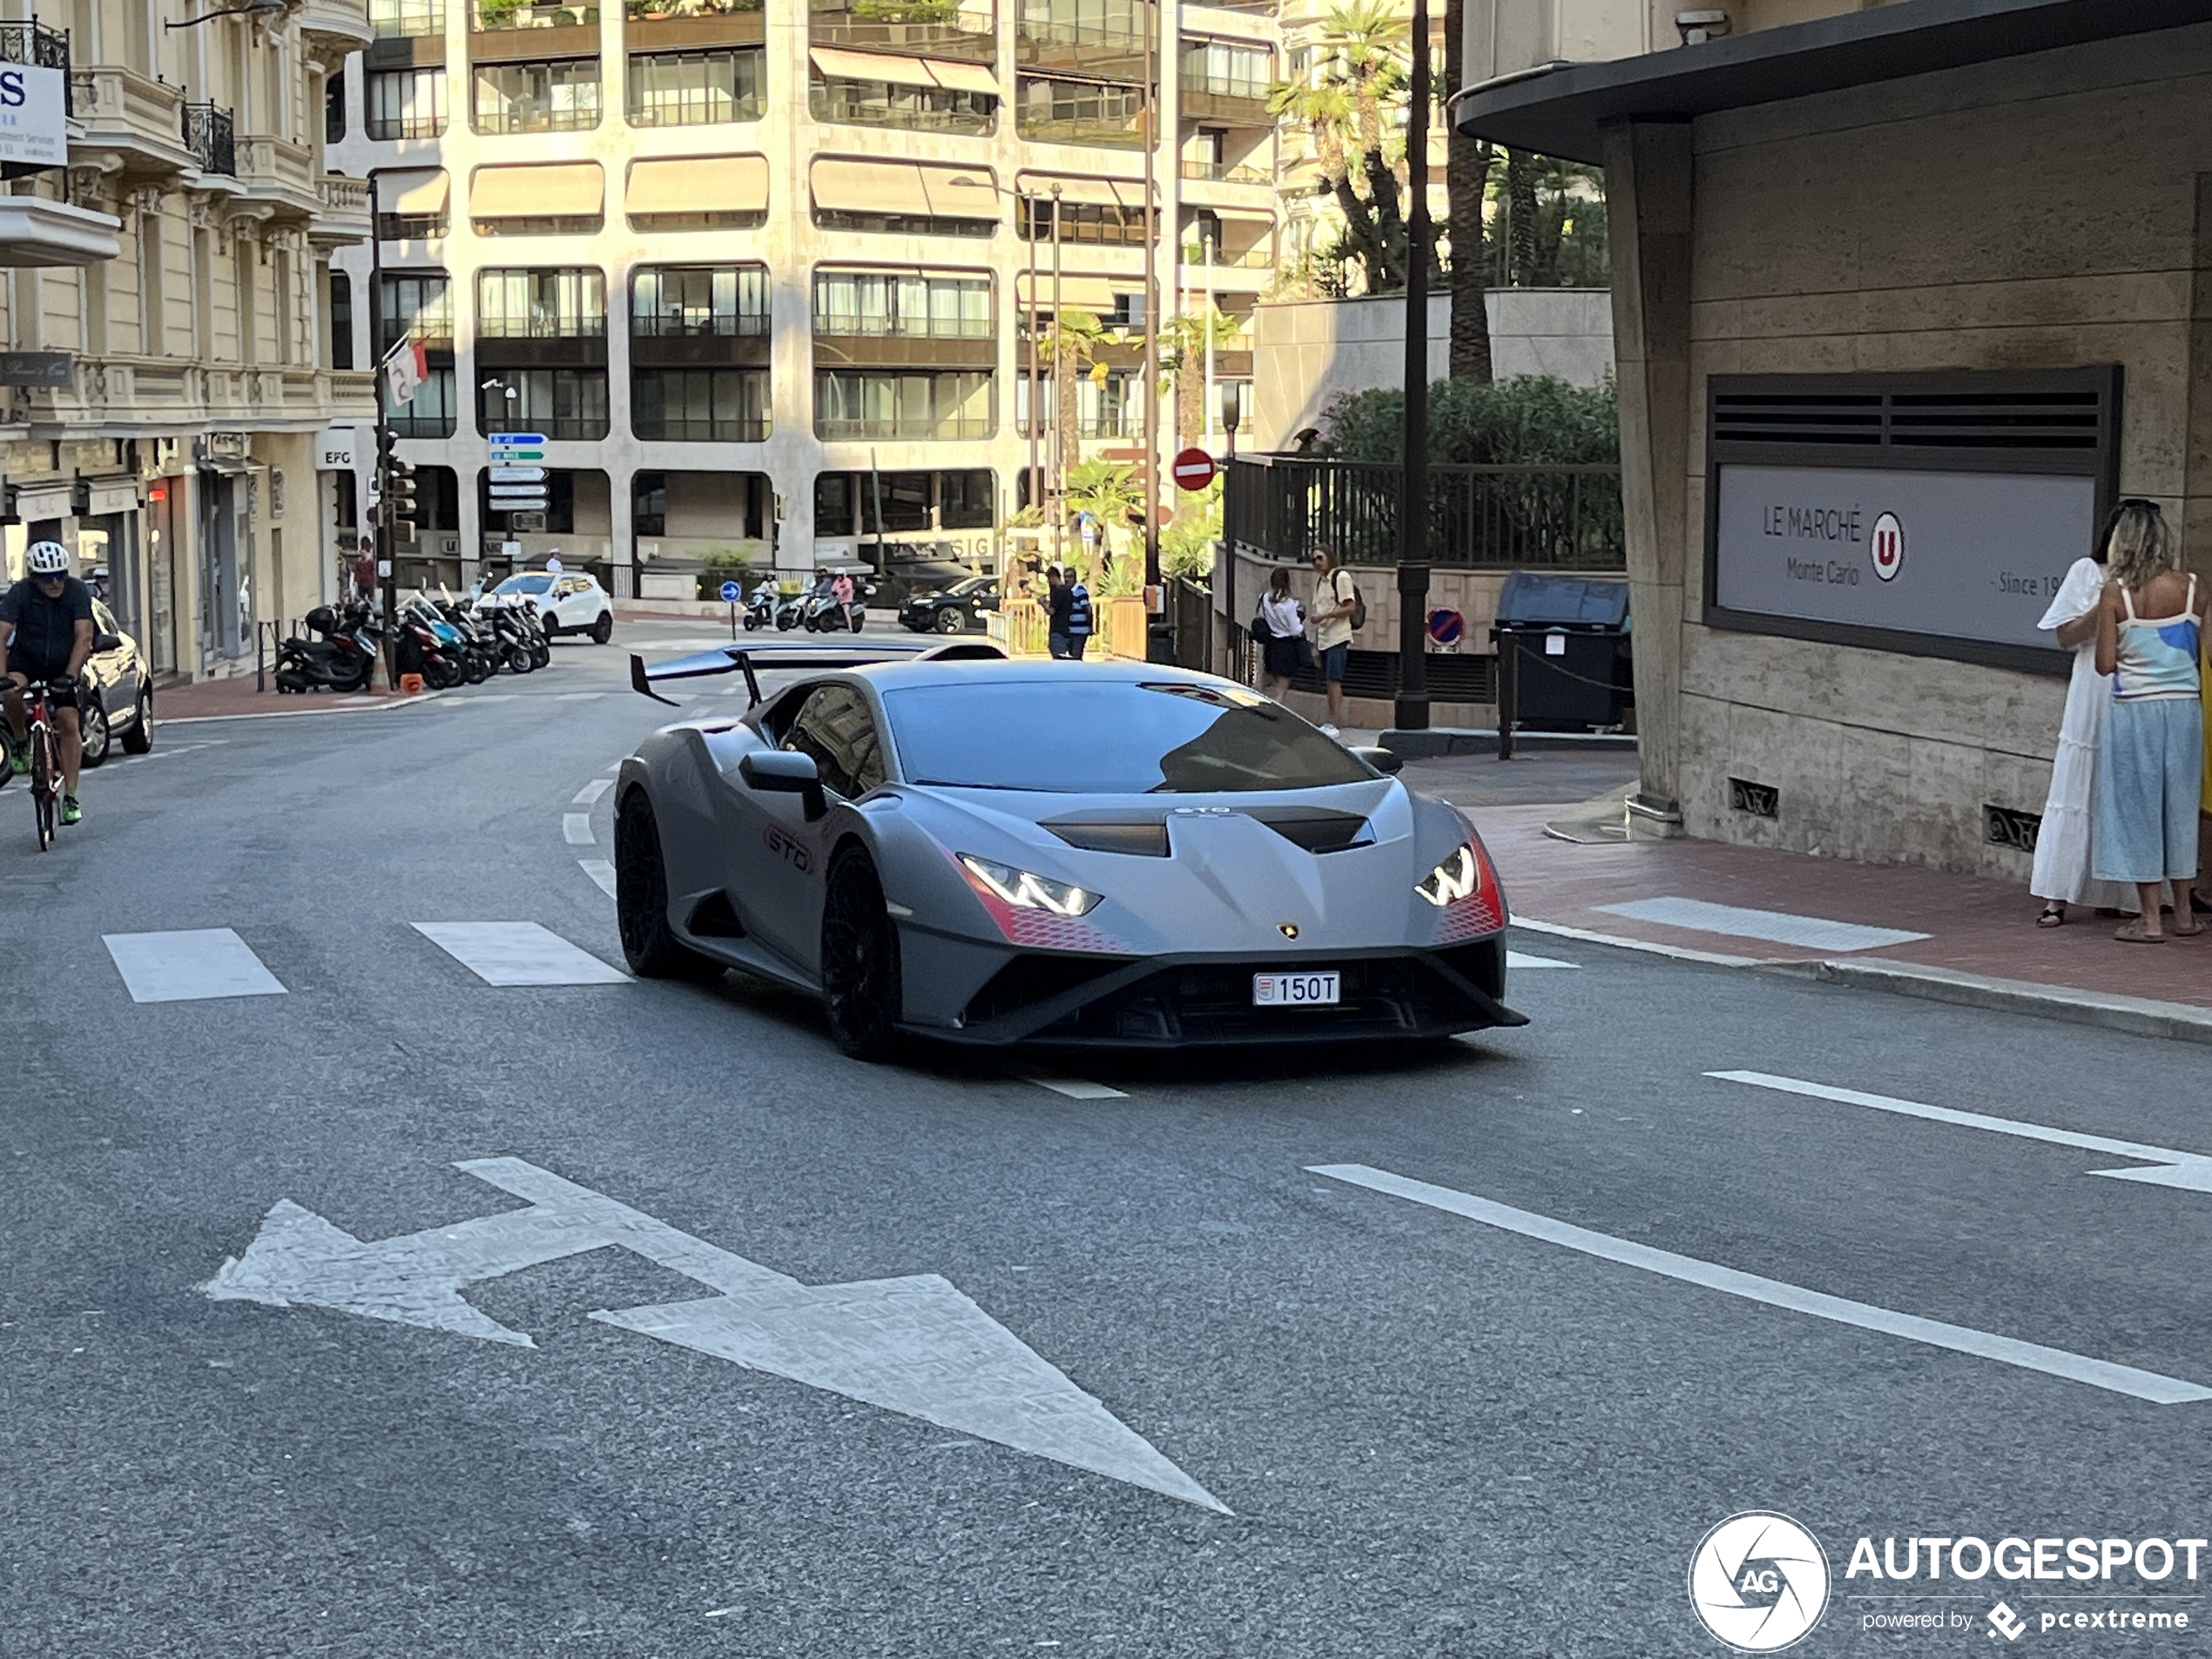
[950, 621]
[641, 899]
[93, 729]
[861, 986]
[604, 629]
[139, 739]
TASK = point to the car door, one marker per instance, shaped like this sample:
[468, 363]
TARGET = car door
[116, 670]
[782, 898]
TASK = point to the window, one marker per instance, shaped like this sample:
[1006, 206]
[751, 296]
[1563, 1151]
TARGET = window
[437, 498]
[346, 511]
[835, 727]
[880, 403]
[407, 104]
[887, 104]
[649, 503]
[699, 405]
[398, 19]
[560, 96]
[559, 402]
[1119, 24]
[557, 303]
[333, 106]
[1093, 223]
[1080, 113]
[968, 501]
[1226, 71]
[674, 301]
[1109, 408]
[430, 413]
[341, 320]
[696, 89]
[491, 16]
[916, 304]
[418, 306]
[916, 224]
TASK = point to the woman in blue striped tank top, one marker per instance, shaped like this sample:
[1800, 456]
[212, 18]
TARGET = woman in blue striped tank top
[2149, 625]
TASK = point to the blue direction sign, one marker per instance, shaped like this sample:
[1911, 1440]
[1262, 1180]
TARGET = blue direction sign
[732, 592]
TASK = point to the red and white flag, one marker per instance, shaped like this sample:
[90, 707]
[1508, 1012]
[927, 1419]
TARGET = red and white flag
[404, 371]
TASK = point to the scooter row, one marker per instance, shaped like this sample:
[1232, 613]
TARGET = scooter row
[447, 643]
[817, 609]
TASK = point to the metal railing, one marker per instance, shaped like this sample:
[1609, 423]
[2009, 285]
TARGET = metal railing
[212, 138]
[40, 47]
[1560, 518]
[1224, 172]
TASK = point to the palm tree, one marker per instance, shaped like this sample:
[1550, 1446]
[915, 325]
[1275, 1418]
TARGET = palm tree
[1183, 356]
[1345, 113]
[1072, 339]
[1467, 186]
[1102, 489]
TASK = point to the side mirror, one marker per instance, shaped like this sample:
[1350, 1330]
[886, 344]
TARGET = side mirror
[786, 771]
[1387, 761]
[107, 642]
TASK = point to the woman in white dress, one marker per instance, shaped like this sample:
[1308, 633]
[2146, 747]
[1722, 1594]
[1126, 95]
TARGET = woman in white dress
[2061, 874]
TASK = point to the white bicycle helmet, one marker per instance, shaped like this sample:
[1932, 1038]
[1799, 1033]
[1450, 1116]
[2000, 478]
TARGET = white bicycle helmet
[48, 558]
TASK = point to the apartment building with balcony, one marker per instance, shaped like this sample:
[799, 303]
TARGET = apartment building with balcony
[762, 271]
[169, 382]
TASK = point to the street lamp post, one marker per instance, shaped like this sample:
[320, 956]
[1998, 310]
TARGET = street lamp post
[1151, 315]
[1057, 460]
[1412, 712]
[1034, 492]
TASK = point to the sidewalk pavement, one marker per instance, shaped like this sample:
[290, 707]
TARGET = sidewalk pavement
[224, 699]
[1954, 938]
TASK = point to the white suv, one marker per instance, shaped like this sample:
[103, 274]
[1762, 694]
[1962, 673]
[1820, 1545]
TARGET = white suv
[569, 602]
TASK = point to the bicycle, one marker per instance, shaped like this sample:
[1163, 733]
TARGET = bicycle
[45, 763]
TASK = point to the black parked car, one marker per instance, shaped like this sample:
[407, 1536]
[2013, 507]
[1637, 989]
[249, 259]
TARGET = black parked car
[115, 698]
[950, 611]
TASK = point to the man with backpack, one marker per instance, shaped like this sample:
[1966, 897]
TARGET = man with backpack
[1333, 614]
[1078, 615]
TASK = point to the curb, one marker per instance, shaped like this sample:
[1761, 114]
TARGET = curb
[2139, 1016]
[1460, 740]
[382, 705]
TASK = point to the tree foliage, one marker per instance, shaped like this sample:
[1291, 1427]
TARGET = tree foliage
[1528, 420]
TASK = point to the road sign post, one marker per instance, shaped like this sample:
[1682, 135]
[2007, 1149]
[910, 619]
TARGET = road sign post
[730, 591]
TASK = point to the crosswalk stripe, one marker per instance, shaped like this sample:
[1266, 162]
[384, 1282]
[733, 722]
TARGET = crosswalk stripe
[189, 965]
[517, 953]
[579, 696]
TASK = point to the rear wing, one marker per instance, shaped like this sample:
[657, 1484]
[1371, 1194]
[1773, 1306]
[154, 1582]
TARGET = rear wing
[741, 659]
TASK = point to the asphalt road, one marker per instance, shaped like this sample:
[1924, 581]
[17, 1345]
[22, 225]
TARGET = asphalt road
[1435, 1435]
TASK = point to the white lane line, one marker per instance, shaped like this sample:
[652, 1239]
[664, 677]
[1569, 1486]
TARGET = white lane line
[2191, 1171]
[576, 828]
[1776, 926]
[1515, 959]
[592, 791]
[578, 697]
[1076, 1089]
[351, 702]
[2031, 1356]
[165, 751]
[601, 872]
[517, 953]
[492, 697]
[189, 966]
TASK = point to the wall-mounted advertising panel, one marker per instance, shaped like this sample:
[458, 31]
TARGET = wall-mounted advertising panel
[34, 116]
[1929, 515]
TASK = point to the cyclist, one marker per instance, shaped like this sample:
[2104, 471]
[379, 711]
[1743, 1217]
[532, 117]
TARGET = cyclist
[46, 631]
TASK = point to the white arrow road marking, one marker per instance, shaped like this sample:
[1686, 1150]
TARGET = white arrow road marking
[2191, 1171]
[576, 828]
[1515, 959]
[2056, 1362]
[190, 965]
[601, 872]
[592, 791]
[518, 953]
[917, 1346]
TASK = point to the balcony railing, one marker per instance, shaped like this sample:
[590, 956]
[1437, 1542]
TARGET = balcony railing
[212, 138]
[491, 16]
[1224, 172]
[659, 11]
[930, 27]
[1250, 258]
[40, 47]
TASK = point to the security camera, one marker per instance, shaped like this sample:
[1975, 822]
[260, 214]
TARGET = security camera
[1698, 27]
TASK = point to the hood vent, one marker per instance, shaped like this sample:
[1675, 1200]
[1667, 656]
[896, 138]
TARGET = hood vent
[1144, 840]
[1316, 828]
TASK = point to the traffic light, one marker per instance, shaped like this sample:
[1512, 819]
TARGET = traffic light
[398, 506]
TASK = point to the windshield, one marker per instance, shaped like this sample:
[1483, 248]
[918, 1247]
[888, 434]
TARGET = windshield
[1071, 737]
[524, 585]
[968, 584]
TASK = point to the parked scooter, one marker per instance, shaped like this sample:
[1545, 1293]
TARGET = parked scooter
[791, 610]
[342, 658]
[430, 645]
[760, 608]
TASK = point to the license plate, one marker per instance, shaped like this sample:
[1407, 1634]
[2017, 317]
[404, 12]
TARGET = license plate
[1297, 990]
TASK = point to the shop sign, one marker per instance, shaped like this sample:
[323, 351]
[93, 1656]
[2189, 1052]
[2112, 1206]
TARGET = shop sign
[34, 367]
[334, 450]
[100, 500]
[34, 118]
[1954, 555]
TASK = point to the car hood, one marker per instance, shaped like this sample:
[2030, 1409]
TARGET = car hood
[1281, 874]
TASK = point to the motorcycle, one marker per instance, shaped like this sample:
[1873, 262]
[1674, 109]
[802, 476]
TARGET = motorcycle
[791, 612]
[430, 646]
[760, 609]
[343, 659]
[824, 615]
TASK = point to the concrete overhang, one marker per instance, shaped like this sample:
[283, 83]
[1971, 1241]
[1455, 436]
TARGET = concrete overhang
[1564, 109]
[35, 232]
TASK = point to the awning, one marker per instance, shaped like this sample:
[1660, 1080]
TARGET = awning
[1247, 218]
[964, 78]
[1096, 192]
[698, 185]
[906, 188]
[567, 190]
[1077, 292]
[421, 194]
[873, 66]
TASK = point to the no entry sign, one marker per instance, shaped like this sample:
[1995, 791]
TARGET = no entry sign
[1193, 469]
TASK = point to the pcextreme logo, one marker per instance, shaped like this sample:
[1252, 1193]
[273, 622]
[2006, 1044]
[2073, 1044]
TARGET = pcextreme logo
[1759, 1582]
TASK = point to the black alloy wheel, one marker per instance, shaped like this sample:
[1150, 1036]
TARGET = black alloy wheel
[951, 620]
[641, 899]
[861, 986]
[139, 739]
[93, 731]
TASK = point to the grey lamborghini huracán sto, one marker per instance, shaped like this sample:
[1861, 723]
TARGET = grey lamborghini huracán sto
[954, 847]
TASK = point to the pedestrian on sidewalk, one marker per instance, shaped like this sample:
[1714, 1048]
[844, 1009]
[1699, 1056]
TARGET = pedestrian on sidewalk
[1284, 619]
[1057, 602]
[2061, 874]
[1079, 617]
[2151, 779]
[1335, 597]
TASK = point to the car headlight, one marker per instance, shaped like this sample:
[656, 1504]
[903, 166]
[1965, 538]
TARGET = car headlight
[1458, 877]
[1025, 890]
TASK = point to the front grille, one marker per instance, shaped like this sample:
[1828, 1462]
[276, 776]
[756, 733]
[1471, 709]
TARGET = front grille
[1212, 1003]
